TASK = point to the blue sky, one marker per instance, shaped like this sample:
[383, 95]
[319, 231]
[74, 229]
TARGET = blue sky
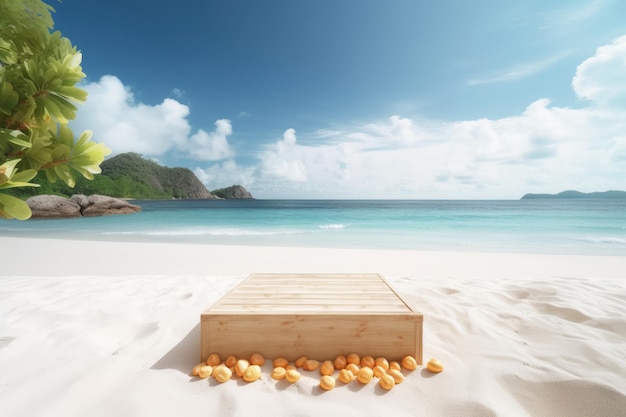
[361, 99]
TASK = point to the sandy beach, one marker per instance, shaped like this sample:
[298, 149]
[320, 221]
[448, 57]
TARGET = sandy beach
[112, 329]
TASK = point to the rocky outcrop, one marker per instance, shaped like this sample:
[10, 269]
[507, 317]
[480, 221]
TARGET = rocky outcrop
[102, 205]
[235, 192]
[55, 207]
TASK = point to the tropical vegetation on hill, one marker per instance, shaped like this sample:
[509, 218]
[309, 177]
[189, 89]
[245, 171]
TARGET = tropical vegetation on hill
[129, 175]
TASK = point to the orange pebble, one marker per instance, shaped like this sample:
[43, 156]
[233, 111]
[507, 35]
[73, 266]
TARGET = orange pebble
[311, 365]
[367, 362]
[409, 363]
[281, 362]
[257, 359]
[214, 359]
[301, 361]
[383, 363]
[354, 358]
[340, 362]
[327, 368]
[230, 361]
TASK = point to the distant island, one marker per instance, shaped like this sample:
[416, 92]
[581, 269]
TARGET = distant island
[130, 176]
[572, 194]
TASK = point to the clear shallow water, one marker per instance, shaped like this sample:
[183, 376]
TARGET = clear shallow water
[536, 226]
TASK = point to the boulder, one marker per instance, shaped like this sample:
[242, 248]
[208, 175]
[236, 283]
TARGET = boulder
[53, 206]
[102, 205]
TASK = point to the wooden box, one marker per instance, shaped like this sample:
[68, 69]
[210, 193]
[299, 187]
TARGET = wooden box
[317, 315]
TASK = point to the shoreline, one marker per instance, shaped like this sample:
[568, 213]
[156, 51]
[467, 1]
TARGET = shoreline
[35, 256]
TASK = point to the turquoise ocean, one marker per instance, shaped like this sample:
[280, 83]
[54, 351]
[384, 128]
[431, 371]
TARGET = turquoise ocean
[559, 226]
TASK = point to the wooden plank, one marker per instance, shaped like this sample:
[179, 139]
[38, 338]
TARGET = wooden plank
[320, 337]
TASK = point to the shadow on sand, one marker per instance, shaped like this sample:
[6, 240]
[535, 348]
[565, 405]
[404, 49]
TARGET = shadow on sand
[184, 356]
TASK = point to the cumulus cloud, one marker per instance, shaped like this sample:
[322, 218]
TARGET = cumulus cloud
[212, 146]
[225, 174]
[126, 125]
[545, 148]
[602, 78]
[283, 160]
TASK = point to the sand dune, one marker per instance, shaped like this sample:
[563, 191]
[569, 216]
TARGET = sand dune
[519, 335]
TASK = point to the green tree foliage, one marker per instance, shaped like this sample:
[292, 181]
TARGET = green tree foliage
[39, 71]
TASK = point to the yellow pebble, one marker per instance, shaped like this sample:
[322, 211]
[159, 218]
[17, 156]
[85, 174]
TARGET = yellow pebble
[346, 376]
[292, 375]
[387, 382]
[395, 365]
[365, 375]
[252, 373]
[196, 368]
[222, 374]
[205, 371]
[378, 371]
[434, 365]
[327, 383]
[397, 376]
[278, 373]
[353, 367]
[241, 366]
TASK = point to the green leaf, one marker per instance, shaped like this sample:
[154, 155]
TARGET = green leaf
[14, 208]
[20, 142]
[8, 98]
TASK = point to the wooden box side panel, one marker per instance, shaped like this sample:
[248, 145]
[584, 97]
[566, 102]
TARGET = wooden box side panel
[317, 336]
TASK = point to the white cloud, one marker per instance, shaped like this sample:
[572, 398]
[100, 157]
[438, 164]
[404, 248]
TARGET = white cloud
[225, 174]
[602, 78]
[126, 125]
[544, 149]
[282, 160]
[212, 146]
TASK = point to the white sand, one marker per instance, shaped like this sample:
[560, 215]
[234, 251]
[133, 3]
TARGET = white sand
[110, 329]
